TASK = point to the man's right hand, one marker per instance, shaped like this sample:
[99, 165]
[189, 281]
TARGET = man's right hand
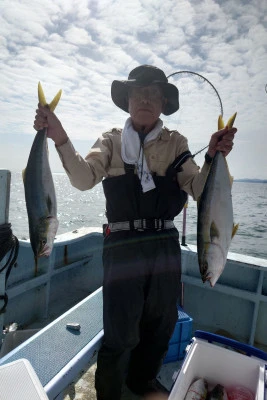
[45, 118]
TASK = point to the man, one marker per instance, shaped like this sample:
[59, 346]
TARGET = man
[146, 169]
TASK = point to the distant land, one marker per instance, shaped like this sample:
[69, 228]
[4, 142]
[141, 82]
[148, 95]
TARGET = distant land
[251, 180]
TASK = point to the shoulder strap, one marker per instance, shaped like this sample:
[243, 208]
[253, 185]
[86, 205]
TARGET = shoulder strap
[178, 162]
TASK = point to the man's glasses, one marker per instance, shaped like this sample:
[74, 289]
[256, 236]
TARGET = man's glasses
[148, 93]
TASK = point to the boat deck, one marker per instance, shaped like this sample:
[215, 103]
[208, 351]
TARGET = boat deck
[60, 356]
[83, 387]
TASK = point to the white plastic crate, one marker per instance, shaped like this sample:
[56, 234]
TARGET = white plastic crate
[19, 381]
[219, 365]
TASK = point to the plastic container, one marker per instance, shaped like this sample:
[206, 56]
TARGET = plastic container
[20, 381]
[180, 338]
[220, 365]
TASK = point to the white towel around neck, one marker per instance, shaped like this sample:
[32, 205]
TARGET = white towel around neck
[132, 151]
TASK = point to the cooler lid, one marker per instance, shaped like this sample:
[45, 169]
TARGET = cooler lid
[19, 381]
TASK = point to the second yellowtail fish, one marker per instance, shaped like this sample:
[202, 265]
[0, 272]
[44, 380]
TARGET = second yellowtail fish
[215, 227]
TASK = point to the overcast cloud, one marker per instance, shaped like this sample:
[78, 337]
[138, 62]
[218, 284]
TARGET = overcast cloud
[82, 46]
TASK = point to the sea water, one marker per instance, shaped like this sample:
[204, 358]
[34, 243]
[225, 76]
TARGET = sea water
[78, 209]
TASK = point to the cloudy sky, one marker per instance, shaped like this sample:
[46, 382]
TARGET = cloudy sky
[81, 46]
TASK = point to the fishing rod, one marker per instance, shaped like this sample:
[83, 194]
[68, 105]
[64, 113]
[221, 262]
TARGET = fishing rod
[186, 72]
[191, 73]
[203, 78]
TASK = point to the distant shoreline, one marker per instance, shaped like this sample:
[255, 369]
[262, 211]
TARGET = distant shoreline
[246, 180]
[251, 180]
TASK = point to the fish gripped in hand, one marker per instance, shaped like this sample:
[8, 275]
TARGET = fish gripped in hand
[40, 193]
[215, 226]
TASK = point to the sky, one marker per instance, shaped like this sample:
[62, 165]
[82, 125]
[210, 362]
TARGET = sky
[81, 46]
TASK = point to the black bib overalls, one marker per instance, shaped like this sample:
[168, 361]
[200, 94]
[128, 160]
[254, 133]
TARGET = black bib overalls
[141, 284]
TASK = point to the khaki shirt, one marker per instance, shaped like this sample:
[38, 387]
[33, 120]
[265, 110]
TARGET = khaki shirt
[104, 160]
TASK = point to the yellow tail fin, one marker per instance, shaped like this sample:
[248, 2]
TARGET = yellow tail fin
[41, 96]
[230, 122]
[220, 123]
[235, 228]
[42, 99]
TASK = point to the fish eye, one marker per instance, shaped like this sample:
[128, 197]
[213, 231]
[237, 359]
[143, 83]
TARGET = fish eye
[43, 241]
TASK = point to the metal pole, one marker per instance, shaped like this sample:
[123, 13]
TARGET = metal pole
[184, 223]
[5, 179]
[183, 244]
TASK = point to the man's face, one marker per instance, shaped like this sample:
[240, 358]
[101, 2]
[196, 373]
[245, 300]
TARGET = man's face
[145, 104]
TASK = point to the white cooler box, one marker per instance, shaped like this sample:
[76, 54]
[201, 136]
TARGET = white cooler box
[19, 381]
[220, 365]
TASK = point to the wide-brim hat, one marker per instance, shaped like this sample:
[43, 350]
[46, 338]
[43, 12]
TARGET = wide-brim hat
[145, 75]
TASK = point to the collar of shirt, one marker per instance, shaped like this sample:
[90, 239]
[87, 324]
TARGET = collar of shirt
[165, 134]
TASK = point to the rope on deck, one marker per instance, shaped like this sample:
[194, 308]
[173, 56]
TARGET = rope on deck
[8, 243]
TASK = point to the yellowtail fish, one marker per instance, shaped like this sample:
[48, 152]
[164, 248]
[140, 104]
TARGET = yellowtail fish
[215, 226]
[40, 193]
[197, 390]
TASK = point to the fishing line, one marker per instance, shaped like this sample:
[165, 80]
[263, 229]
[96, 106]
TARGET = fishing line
[8, 243]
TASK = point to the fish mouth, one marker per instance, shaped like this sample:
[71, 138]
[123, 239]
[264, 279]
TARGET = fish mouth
[45, 251]
[207, 278]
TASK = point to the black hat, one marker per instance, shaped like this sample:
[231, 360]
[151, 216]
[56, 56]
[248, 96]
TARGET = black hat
[145, 75]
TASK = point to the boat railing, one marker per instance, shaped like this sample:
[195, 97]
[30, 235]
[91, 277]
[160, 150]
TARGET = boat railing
[5, 178]
[71, 273]
[236, 306]
[63, 348]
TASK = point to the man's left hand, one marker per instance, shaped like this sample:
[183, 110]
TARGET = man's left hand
[222, 140]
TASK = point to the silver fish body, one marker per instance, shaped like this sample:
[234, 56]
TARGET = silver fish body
[215, 227]
[197, 390]
[40, 197]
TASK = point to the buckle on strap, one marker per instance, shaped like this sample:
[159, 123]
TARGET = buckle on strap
[141, 225]
[157, 224]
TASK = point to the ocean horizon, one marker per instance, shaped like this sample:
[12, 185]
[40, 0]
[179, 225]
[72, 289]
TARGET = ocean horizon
[78, 209]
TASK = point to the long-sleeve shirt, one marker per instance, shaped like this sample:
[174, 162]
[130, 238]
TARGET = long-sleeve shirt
[104, 160]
